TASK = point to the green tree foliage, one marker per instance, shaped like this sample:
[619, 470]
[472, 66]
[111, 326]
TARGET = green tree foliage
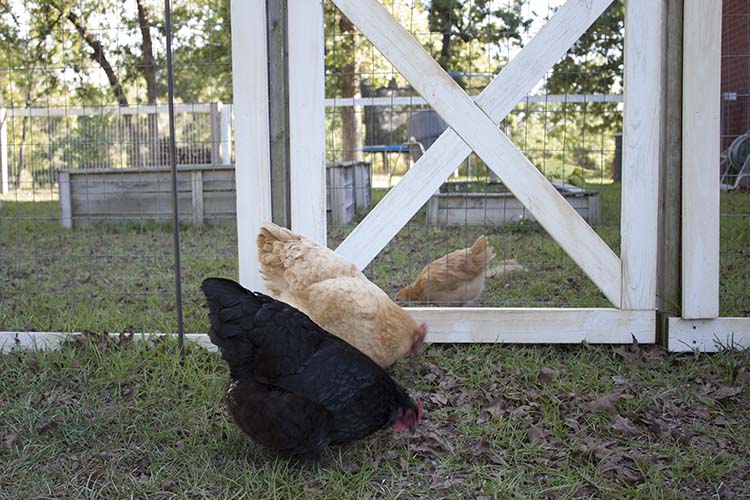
[66, 52]
[594, 63]
[474, 33]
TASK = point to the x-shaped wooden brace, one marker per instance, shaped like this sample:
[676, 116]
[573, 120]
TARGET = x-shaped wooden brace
[473, 127]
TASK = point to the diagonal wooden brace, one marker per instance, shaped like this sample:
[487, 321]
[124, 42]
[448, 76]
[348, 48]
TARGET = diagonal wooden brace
[471, 122]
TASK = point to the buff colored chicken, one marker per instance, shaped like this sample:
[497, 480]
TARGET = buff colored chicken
[336, 295]
[456, 279]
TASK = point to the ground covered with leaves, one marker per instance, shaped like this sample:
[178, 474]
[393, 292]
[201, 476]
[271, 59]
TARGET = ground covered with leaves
[118, 418]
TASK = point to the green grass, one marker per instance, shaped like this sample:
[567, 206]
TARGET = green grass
[129, 421]
[119, 276]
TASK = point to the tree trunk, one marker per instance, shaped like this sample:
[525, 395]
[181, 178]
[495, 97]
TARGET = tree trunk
[445, 50]
[22, 172]
[351, 116]
[149, 74]
[97, 55]
[24, 175]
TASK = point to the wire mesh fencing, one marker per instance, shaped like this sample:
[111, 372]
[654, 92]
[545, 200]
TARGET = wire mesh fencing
[86, 216]
[568, 126]
[85, 220]
[735, 159]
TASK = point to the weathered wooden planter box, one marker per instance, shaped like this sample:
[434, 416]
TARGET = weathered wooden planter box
[204, 192]
[349, 188]
[467, 207]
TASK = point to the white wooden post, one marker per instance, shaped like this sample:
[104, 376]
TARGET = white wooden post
[215, 132]
[66, 200]
[700, 158]
[307, 127]
[642, 150]
[196, 184]
[3, 151]
[225, 150]
[253, 163]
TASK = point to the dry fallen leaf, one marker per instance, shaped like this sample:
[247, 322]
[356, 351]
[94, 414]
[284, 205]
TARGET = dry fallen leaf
[439, 398]
[46, 426]
[684, 437]
[536, 435]
[439, 483]
[604, 403]
[623, 425]
[483, 445]
[498, 408]
[548, 374]
[573, 424]
[9, 439]
[725, 392]
[630, 475]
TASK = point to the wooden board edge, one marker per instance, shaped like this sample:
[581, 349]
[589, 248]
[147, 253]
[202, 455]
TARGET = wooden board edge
[458, 325]
[708, 335]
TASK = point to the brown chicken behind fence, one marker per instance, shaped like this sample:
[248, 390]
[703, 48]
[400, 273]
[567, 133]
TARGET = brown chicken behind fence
[456, 279]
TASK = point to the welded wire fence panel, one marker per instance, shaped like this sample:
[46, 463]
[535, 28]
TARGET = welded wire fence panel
[85, 214]
[568, 126]
[735, 160]
[85, 220]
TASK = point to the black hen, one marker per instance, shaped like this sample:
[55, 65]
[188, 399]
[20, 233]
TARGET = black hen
[294, 387]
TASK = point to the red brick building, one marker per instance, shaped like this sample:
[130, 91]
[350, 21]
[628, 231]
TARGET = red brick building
[735, 70]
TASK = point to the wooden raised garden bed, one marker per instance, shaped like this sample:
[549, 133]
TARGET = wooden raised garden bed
[204, 193]
[349, 188]
[467, 204]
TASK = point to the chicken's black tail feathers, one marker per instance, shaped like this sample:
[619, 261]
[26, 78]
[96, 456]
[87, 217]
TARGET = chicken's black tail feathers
[232, 310]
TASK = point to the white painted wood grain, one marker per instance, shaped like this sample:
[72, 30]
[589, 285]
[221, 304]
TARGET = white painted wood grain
[536, 325]
[215, 119]
[642, 150]
[347, 102]
[141, 109]
[252, 154]
[66, 200]
[701, 83]
[481, 133]
[225, 150]
[441, 159]
[708, 335]
[307, 127]
[459, 325]
[53, 111]
[196, 190]
[52, 340]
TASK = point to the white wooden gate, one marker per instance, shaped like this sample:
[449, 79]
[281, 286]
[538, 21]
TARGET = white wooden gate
[700, 327]
[628, 280]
